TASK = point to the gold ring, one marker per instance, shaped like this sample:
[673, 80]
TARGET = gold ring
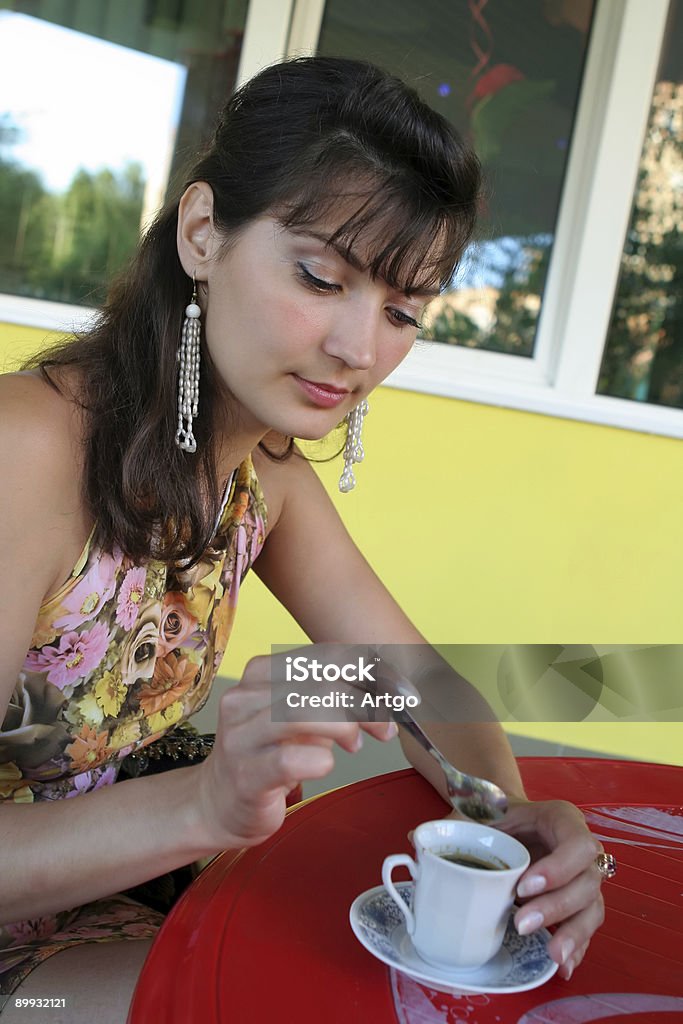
[606, 865]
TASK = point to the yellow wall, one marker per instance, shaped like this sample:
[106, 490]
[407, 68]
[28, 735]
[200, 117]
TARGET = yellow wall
[492, 526]
[18, 343]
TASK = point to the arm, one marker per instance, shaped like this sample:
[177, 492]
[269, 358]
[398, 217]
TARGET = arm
[306, 550]
[308, 547]
[56, 855]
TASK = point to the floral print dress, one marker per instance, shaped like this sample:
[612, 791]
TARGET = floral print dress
[119, 655]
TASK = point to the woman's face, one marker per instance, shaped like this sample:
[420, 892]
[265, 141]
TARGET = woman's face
[298, 334]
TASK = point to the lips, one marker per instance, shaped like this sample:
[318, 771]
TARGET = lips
[322, 394]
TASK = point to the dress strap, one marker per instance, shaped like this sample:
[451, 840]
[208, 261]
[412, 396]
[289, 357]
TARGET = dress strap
[227, 495]
[83, 557]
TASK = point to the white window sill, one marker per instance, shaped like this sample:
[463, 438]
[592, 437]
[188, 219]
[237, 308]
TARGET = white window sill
[515, 383]
[53, 316]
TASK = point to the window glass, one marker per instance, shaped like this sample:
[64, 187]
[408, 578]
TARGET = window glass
[643, 357]
[507, 74]
[100, 104]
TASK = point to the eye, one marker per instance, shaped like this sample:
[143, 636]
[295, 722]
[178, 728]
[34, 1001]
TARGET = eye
[402, 319]
[317, 284]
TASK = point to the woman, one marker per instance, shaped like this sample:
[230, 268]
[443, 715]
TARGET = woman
[147, 466]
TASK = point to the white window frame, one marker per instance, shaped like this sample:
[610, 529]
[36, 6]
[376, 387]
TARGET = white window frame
[611, 120]
[597, 197]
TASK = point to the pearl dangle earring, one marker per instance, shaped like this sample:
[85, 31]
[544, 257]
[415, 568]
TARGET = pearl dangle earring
[188, 374]
[353, 449]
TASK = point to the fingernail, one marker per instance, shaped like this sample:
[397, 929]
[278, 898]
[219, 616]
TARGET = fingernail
[568, 971]
[392, 731]
[531, 886]
[529, 922]
[566, 950]
[359, 742]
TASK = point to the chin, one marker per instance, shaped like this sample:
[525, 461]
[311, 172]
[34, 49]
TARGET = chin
[314, 435]
[312, 428]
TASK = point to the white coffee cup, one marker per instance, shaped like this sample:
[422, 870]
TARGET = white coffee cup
[460, 912]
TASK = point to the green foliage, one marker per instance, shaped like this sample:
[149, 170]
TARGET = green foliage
[452, 327]
[643, 358]
[21, 194]
[67, 247]
[521, 266]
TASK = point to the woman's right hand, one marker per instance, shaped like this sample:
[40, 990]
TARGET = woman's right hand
[256, 761]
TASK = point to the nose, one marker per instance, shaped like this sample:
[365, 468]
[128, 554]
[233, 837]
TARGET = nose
[354, 342]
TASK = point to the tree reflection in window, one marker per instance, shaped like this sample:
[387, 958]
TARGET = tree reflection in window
[643, 358]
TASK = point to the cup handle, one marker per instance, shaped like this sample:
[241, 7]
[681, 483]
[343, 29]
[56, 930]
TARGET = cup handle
[399, 860]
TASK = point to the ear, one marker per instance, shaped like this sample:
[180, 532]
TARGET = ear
[197, 241]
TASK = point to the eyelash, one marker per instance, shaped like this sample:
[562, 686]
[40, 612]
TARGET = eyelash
[404, 320]
[317, 284]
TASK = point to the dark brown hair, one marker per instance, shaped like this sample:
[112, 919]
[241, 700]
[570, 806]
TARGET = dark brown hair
[296, 140]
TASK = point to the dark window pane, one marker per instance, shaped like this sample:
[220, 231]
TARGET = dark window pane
[507, 74]
[643, 357]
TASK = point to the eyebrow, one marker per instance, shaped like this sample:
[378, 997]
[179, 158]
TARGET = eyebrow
[353, 261]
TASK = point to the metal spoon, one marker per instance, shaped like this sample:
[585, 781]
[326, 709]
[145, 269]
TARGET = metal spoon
[477, 799]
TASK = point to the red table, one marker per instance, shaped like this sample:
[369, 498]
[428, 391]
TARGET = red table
[264, 936]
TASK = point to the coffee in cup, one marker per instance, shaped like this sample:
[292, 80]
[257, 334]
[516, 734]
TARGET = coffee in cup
[468, 860]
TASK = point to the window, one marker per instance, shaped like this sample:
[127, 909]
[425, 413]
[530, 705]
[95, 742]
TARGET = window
[643, 358]
[534, 304]
[507, 76]
[557, 310]
[100, 104]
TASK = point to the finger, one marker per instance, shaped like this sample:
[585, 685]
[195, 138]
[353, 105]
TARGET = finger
[383, 731]
[559, 904]
[244, 701]
[576, 933]
[361, 682]
[241, 703]
[263, 682]
[346, 734]
[570, 857]
[295, 762]
[257, 673]
[259, 731]
[279, 769]
[270, 673]
[567, 969]
[314, 741]
[553, 821]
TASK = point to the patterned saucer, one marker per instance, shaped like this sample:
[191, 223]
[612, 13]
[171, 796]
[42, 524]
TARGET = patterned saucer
[522, 962]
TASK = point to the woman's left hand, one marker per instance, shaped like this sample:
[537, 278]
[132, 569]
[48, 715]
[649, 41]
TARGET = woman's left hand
[562, 885]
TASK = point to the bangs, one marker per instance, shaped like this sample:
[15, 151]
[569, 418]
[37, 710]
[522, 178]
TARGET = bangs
[411, 240]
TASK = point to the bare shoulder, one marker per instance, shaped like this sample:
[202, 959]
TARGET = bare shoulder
[42, 520]
[40, 431]
[26, 397]
[41, 472]
[284, 480]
